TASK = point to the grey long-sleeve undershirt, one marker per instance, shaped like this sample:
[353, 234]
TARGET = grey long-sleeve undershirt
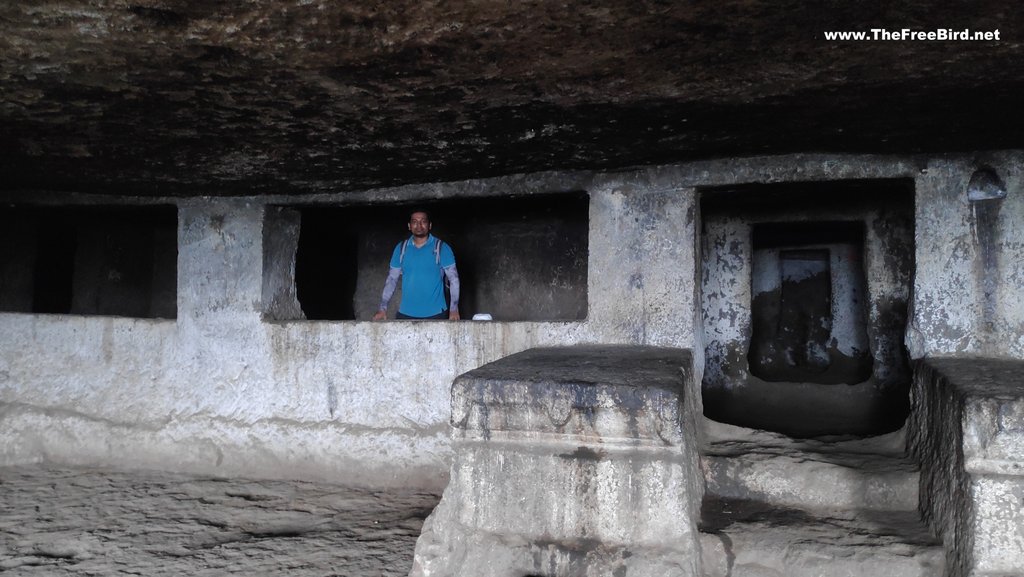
[453, 285]
[391, 283]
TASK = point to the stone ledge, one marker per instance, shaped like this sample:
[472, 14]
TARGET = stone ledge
[991, 392]
[741, 537]
[967, 430]
[614, 393]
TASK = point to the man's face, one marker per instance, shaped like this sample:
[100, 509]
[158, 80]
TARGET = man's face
[419, 224]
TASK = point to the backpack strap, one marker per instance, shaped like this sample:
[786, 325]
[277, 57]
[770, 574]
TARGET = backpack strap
[401, 255]
[437, 251]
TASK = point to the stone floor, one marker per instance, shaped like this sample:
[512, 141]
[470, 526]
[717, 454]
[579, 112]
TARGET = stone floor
[56, 521]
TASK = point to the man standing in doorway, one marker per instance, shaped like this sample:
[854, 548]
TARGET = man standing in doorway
[422, 261]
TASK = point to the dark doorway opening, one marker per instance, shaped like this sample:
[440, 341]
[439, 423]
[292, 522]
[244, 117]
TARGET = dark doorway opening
[805, 291]
[808, 310]
[90, 260]
[520, 258]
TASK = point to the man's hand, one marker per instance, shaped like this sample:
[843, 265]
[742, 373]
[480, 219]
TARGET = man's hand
[453, 315]
[380, 316]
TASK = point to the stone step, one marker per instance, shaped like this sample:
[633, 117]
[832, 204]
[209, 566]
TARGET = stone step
[751, 539]
[811, 474]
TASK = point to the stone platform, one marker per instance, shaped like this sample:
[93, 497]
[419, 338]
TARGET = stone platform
[570, 461]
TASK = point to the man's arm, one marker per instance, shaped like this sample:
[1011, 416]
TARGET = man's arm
[389, 289]
[452, 274]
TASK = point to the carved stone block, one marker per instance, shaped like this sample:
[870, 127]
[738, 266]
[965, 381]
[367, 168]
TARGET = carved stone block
[570, 461]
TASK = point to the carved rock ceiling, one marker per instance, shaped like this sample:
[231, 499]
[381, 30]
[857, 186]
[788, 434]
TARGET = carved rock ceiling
[218, 97]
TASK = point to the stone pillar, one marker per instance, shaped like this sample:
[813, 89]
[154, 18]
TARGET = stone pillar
[968, 263]
[281, 229]
[576, 461]
[220, 259]
[643, 264]
[220, 285]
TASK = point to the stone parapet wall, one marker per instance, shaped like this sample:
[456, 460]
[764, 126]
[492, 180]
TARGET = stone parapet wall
[220, 389]
[967, 431]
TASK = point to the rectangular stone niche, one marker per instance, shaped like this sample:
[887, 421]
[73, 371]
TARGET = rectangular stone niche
[519, 258]
[804, 293]
[809, 317]
[89, 260]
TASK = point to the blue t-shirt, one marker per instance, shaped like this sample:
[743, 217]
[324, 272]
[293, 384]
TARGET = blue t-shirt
[422, 277]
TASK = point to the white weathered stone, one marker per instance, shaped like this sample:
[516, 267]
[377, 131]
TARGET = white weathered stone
[222, 389]
[958, 252]
[569, 462]
[966, 431]
[777, 542]
[870, 474]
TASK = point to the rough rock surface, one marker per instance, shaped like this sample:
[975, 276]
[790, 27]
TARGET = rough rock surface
[570, 461]
[781, 507]
[967, 430]
[93, 522]
[752, 539]
[176, 97]
[864, 474]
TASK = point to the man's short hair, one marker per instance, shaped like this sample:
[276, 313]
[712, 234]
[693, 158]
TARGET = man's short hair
[416, 210]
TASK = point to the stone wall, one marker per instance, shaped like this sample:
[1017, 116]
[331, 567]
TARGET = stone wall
[221, 389]
[844, 371]
[967, 431]
[970, 261]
